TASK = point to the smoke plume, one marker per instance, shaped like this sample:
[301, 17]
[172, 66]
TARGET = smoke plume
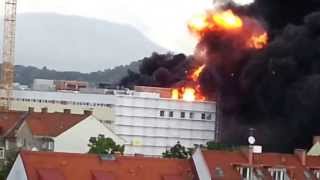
[274, 90]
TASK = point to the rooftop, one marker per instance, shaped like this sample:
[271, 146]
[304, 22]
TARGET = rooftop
[52, 124]
[48, 165]
[9, 121]
[227, 162]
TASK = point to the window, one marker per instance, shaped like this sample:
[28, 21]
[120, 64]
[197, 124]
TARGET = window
[191, 115]
[161, 113]
[245, 172]
[203, 115]
[278, 173]
[182, 114]
[171, 114]
[50, 145]
[1, 152]
[209, 116]
[317, 173]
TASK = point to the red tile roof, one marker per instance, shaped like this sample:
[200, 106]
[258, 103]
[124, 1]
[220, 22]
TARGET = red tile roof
[92, 167]
[9, 121]
[227, 161]
[52, 124]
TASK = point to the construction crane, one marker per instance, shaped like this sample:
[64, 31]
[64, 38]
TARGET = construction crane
[8, 54]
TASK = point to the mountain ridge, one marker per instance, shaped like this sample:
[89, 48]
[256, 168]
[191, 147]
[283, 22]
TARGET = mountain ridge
[74, 43]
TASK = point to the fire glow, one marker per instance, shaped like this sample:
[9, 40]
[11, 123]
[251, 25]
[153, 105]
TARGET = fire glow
[190, 93]
[225, 20]
[259, 41]
[246, 32]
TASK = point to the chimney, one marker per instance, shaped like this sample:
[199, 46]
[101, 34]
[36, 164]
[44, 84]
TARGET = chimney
[301, 154]
[316, 139]
[87, 112]
[248, 152]
[44, 110]
[67, 111]
[31, 109]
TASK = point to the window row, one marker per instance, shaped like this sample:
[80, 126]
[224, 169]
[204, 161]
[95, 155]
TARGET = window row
[63, 102]
[190, 115]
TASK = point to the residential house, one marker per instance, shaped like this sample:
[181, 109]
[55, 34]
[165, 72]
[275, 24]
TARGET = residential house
[204, 165]
[61, 132]
[66, 166]
[9, 123]
[43, 131]
[247, 165]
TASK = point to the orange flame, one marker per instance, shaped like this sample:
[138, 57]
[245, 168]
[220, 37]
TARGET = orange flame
[259, 41]
[175, 94]
[225, 20]
[198, 22]
[189, 94]
[195, 75]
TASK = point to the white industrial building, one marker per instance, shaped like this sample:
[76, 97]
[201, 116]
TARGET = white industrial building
[147, 122]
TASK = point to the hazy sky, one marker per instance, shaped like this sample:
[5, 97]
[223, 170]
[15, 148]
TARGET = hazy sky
[163, 21]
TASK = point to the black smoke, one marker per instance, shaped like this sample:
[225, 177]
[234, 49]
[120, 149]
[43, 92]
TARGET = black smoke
[275, 90]
[162, 70]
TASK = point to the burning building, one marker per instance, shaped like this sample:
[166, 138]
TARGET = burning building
[148, 119]
[263, 73]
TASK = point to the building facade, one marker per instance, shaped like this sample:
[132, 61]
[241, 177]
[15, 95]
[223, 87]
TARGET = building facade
[148, 123]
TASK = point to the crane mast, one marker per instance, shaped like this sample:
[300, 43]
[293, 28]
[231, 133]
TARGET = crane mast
[8, 54]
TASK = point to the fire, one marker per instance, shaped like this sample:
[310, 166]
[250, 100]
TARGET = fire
[189, 94]
[259, 41]
[238, 33]
[198, 22]
[225, 20]
[193, 91]
[175, 94]
[195, 75]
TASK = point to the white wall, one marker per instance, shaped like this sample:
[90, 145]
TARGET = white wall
[201, 165]
[76, 139]
[18, 171]
[138, 119]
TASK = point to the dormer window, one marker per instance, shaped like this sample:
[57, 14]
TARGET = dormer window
[245, 172]
[278, 173]
[316, 173]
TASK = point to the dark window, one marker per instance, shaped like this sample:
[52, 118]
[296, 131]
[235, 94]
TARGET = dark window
[203, 116]
[161, 113]
[171, 114]
[209, 116]
[191, 115]
[182, 114]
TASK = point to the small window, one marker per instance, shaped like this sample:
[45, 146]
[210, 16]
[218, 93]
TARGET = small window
[161, 113]
[50, 145]
[191, 115]
[182, 114]
[209, 116]
[203, 115]
[1, 152]
[171, 114]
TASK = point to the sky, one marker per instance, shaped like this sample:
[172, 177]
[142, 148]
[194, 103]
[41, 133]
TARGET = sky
[163, 21]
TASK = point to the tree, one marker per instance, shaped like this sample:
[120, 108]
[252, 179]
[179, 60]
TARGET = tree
[11, 156]
[178, 151]
[104, 145]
